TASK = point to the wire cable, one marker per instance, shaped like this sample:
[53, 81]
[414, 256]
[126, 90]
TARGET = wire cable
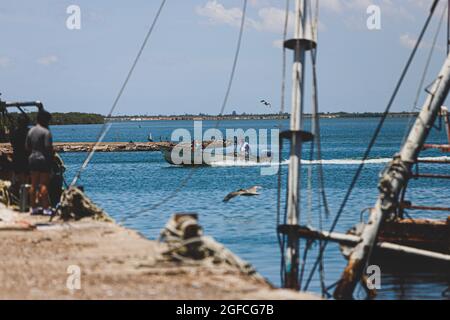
[373, 139]
[424, 75]
[107, 125]
[322, 197]
[235, 61]
[280, 238]
[188, 177]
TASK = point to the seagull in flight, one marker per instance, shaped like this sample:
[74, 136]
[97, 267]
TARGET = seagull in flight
[253, 191]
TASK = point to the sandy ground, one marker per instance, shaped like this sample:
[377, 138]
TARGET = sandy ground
[115, 263]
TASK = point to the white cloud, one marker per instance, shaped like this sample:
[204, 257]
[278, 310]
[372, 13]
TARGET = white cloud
[259, 3]
[269, 19]
[4, 62]
[410, 41]
[333, 5]
[218, 14]
[278, 44]
[47, 60]
[397, 9]
[272, 19]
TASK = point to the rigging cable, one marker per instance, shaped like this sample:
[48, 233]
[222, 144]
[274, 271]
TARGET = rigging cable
[281, 238]
[419, 90]
[188, 177]
[373, 140]
[107, 125]
[424, 75]
[235, 61]
[317, 139]
[316, 116]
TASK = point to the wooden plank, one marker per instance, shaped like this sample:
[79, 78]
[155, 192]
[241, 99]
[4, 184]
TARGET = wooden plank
[414, 251]
[431, 176]
[347, 239]
[424, 208]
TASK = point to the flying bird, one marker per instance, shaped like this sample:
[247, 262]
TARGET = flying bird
[267, 104]
[253, 191]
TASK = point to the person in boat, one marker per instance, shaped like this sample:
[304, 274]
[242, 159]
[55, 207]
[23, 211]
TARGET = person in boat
[196, 145]
[20, 153]
[246, 149]
[39, 143]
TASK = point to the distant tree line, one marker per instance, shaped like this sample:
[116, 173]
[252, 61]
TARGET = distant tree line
[244, 115]
[59, 118]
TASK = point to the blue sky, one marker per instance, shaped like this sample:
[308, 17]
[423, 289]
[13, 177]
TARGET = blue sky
[186, 65]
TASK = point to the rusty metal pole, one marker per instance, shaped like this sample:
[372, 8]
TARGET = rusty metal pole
[446, 116]
[393, 179]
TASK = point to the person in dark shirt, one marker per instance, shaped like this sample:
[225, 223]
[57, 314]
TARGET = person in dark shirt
[20, 154]
[39, 143]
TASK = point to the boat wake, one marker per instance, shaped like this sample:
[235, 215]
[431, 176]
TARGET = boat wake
[336, 162]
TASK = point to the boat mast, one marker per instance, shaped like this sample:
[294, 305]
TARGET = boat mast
[299, 45]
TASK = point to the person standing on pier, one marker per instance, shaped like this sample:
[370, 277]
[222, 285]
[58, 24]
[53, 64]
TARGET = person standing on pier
[39, 143]
[20, 153]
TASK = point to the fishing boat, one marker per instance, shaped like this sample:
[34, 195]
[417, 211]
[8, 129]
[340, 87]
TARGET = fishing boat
[199, 154]
[389, 234]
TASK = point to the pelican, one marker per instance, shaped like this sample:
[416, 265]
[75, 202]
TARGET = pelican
[253, 191]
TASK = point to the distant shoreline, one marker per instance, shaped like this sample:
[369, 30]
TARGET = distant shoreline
[339, 115]
[73, 118]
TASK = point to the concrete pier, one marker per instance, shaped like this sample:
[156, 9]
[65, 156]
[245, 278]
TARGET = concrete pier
[42, 260]
[62, 147]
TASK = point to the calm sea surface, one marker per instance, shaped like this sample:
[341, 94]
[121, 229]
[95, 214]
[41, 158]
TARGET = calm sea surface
[126, 183]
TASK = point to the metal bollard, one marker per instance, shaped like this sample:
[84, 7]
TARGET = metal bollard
[24, 198]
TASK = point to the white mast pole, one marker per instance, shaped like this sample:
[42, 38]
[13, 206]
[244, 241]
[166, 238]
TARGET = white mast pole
[293, 198]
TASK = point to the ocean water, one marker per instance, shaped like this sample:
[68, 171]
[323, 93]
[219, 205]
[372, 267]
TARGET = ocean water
[131, 187]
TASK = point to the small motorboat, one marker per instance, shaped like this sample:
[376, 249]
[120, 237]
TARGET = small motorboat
[198, 157]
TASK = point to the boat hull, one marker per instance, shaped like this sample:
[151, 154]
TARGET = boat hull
[237, 159]
[425, 234]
